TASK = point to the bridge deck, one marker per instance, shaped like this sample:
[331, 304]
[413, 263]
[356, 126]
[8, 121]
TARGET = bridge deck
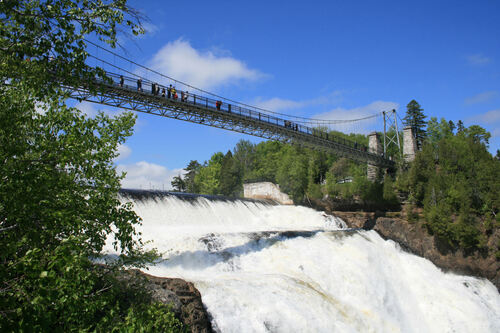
[204, 111]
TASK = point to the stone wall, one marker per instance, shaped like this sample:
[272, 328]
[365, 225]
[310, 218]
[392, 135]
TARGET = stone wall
[373, 171]
[266, 190]
[409, 144]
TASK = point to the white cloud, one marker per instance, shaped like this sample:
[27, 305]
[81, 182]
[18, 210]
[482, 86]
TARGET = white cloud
[365, 126]
[87, 108]
[181, 61]
[481, 98]
[478, 59]
[149, 28]
[144, 175]
[278, 104]
[92, 109]
[489, 117]
[124, 152]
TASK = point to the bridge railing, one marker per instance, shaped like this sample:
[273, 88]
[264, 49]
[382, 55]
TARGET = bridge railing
[146, 87]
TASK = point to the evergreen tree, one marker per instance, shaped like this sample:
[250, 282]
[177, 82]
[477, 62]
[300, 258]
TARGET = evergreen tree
[460, 127]
[189, 178]
[229, 176]
[416, 119]
[178, 183]
[452, 126]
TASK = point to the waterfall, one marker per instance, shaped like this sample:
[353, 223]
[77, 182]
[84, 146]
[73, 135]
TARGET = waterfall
[271, 268]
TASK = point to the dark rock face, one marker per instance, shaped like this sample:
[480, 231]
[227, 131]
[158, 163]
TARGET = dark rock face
[186, 300]
[416, 239]
[413, 238]
[183, 296]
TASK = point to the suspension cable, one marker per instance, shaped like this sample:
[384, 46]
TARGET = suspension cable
[300, 119]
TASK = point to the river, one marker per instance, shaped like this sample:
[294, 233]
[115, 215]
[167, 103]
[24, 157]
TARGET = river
[272, 268]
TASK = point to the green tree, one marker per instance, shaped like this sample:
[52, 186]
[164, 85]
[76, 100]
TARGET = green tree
[208, 178]
[389, 195]
[416, 119]
[40, 38]
[292, 173]
[244, 155]
[189, 178]
[438, 130]
[59, 187]
[268, 155]
[455, 180]
[478, 134]
[452, 126]
[341, 168]
[230, 181]
[433, 131]
[178, 184]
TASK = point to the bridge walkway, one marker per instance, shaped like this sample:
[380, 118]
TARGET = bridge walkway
[211, 112]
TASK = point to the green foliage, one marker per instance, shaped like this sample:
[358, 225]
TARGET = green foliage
[389, 194]
[230, 182]
[41, 37]
[189, 178]
[455, 179]
[437, 131]
[302, 173]
[156, 317]
[478, 134]
[416, 119]
[178, 184]
[244, 155]
[59, 187]
[208, 178]
[292, 173]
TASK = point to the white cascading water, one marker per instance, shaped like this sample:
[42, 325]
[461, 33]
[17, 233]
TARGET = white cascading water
[264, 268]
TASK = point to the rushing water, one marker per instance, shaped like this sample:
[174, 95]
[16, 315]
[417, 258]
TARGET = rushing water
[265, 268]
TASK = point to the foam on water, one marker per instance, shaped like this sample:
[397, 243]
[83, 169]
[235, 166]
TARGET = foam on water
[264, 268]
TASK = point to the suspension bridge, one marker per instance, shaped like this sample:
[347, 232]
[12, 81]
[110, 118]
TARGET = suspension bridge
[129, 90]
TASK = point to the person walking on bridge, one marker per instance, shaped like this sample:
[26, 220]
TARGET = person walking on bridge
[139, 85]
[122, 80]
[169, 91]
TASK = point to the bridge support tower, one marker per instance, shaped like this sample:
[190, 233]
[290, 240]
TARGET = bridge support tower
[373, 171]
[409, 144]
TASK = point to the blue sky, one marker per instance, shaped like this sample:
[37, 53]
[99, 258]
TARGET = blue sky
[329, 59]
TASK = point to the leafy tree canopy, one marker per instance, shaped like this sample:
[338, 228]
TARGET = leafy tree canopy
[58, 184]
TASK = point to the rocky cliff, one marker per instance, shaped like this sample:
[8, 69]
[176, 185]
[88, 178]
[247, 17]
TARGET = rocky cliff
[413, 238]
[183, 296]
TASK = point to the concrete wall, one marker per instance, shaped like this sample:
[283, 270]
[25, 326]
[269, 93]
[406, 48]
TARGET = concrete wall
[409, 144]
[373, 171]
[266, 190]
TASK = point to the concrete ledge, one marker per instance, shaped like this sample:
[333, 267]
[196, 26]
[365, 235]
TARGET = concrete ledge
[266, 190]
